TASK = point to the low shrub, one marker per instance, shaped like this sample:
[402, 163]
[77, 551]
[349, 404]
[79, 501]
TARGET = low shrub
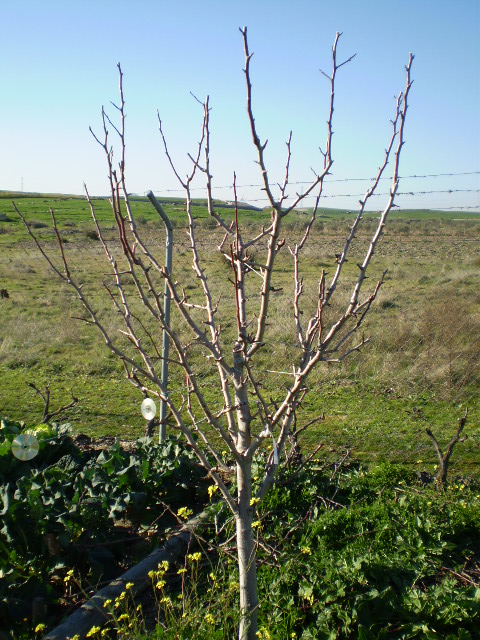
[69, 507]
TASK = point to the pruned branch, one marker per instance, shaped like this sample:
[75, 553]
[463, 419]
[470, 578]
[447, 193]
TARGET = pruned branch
[444, 458]
[45, 395]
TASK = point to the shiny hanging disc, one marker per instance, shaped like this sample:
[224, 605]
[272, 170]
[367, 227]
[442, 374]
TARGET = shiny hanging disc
[149, 409]
[25, 446]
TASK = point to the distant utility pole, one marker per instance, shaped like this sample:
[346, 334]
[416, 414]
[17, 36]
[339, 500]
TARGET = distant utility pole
[22, 186]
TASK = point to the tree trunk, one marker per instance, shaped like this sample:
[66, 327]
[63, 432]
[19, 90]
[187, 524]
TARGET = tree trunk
[246, 551]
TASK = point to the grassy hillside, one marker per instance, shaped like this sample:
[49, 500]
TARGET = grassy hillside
[421, 368]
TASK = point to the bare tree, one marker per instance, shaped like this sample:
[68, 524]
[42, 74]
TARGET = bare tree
[248, 419]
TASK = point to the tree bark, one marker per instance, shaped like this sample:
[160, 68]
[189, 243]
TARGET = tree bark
[246, 552]
[247, 570]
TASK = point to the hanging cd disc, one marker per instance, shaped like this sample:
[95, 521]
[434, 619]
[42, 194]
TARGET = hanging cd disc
[149, 409]
[25, 446]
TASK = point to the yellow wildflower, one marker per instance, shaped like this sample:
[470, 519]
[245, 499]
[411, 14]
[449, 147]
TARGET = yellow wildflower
[39, 628]
[212, 489]
[209, 619]
[194, 557]
[68, 576]
[309, 599]
[93, 632]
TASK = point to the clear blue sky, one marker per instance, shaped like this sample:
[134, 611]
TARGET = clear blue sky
[58, 66]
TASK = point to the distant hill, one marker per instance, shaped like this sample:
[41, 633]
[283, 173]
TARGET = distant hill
[245, 206]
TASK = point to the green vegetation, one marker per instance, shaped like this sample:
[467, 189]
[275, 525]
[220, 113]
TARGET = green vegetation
[367, 551]
[82, 510]
[421, 368]
[345, 552]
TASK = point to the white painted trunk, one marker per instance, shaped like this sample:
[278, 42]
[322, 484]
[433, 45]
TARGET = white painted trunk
[246, 551]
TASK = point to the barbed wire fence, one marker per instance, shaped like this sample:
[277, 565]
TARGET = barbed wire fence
[220, 190]
[425, 326]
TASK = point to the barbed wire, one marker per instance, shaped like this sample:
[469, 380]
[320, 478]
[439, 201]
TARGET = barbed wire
[462, 207]
[300, 182]
[383, 193]
[413, 176]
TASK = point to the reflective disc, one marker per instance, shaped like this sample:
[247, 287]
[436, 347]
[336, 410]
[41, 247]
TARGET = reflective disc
[25, 446]
[149, 409]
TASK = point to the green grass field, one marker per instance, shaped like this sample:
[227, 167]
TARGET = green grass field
[421, 368]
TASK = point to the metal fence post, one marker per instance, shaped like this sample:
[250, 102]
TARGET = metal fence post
[166, 312]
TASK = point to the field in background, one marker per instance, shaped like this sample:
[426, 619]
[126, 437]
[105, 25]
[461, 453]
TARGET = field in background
[421, 369]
